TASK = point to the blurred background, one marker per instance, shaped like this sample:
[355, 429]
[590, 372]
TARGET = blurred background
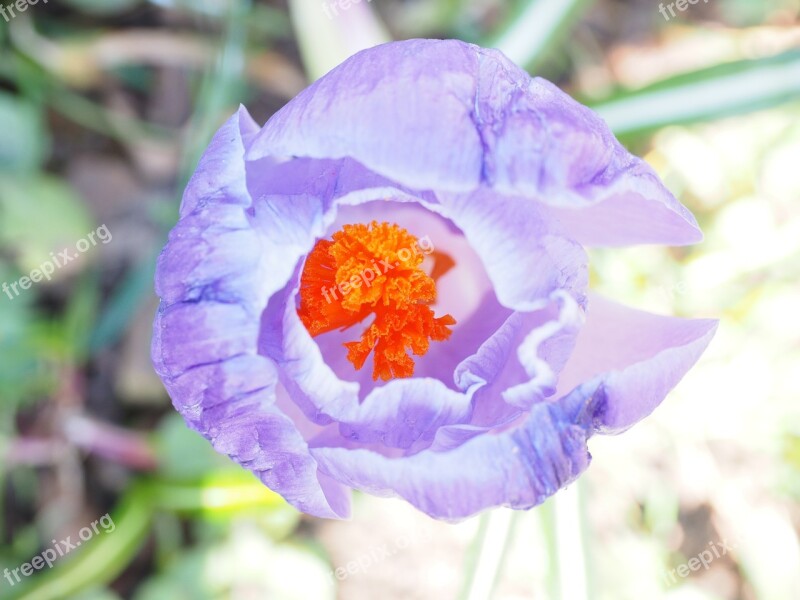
[105, 107]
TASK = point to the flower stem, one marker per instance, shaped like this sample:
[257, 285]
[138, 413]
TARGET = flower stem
[488, 554]
[568, 552]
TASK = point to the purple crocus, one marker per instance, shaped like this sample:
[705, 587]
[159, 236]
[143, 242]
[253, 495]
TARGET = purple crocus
[385, 287]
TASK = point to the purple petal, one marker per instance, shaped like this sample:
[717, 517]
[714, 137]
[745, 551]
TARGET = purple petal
[632, 358]
[643, 357]
[526, 255]
[211, 277]
[381, 107]
[453, 117]
[640, 212]
[221, 172]
[519, 469]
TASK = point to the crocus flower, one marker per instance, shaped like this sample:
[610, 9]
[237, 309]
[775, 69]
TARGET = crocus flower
[385, 287]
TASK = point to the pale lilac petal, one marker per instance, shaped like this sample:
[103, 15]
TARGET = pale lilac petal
[644, 358]
[517, 469]
[633, 358]
[477, 121]
[525, 254]
[206, 333]
[220, 175]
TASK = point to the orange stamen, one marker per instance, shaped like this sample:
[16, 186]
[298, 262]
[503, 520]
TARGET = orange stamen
[376, 269]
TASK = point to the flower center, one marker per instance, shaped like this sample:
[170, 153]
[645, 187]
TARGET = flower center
[375, 268]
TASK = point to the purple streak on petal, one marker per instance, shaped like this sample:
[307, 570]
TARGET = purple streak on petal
[212, 278]
[213, 255]
[518, 469]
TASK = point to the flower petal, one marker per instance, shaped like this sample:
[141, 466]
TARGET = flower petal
[454, 117]
[635, 208]
[631, 359]
[642, 357]
[380, 108]
[602, 194]
[211, 277]
[518, 469]
[220, 173]
[524, 253]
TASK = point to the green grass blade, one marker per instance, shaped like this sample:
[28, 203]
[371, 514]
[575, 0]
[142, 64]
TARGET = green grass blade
[487, 557]
[536, 29]
[711, 93]
[328, 34]
[218, 90]
[101, 560]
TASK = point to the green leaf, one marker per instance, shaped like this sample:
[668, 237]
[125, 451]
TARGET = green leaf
[184, 455]
[97, 594]
[220, 88]
[246, 561]
[100, 560]
[47, 206]
[23, 373]
[23, 142]
[218, 493]
[80, 315]
[126, 300]
[746, 13]
[536, 28]
[718, 91]
[328, 34]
